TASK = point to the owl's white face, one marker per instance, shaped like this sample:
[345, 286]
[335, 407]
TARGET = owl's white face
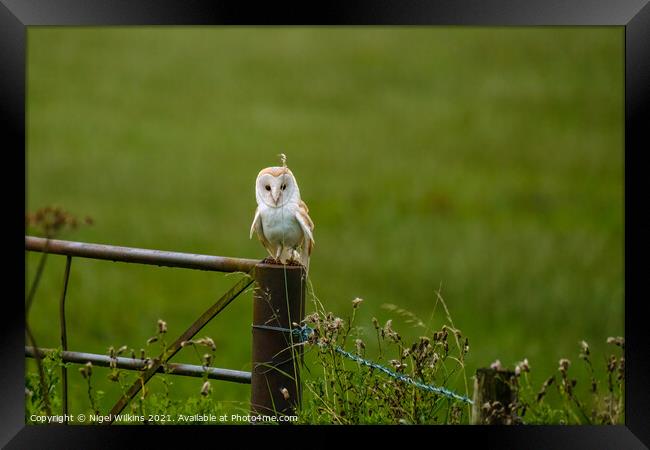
[275, 191]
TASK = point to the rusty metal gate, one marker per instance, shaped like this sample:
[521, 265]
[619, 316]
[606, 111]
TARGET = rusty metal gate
[278, 303]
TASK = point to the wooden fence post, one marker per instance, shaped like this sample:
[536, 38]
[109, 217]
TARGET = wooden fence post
[495, 392]
[278, 302]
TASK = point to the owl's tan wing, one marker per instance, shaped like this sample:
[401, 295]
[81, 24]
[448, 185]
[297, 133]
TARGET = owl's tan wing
[257, 228]
[306, 224]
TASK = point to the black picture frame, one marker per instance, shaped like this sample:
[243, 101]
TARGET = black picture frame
[633, 15]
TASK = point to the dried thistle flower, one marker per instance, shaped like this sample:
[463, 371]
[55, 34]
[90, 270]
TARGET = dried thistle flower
[206, 388]
[359, 345]
[207, 359]
[611, 363]
[496, 365]
[564, 365]
[285, 393]
[162, 326]
[152, 339]
[522, 366]
[584, 347]
[356, 302]
[87, 370]
[121, 350]
[206, 341]
[375, 323]
[618, 340]
[313, 318]
[336, 324]
[398, 365]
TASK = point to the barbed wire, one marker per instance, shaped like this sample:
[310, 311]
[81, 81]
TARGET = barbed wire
[303, 332]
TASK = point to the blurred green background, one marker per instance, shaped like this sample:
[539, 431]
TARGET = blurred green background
[487, 162]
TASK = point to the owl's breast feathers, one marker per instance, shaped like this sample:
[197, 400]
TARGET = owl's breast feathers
[288, 226]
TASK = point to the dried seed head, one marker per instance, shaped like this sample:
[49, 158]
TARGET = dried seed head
[585, 348]
[89, 368]
[313, 318]
[132, 354]
[496, 365]
[206, 341]
[142, 354]
[611, 363]
[375, 323]
[564, 365]
[359, 345]
[206, 388]
[336, 324]
[121, 350]
[285, 393]
[207, 359]
[356, 302]
[162, 326]
[152, 339]
[399, 366]
[616, 341]
[111, 351]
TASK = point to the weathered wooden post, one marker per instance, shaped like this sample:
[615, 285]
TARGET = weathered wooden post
[495, 392]
[278, 301]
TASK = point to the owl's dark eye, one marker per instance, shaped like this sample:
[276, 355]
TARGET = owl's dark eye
[283, 187]
[267, 187]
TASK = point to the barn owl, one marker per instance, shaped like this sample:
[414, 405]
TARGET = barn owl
[282, 222]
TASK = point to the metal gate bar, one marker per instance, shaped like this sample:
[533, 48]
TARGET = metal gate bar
[188, 370]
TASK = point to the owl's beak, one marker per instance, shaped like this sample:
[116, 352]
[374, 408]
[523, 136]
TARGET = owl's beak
[275, 195]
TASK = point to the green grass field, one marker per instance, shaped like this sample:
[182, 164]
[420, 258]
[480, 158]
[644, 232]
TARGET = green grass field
[485, 162]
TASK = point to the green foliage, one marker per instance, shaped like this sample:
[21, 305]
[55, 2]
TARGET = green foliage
[337, 390]
[594, 405]
[34, 389]
[346, 392]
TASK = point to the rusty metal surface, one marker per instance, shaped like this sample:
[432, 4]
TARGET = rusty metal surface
[139, 255]
[188, 370]
[278, 301]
